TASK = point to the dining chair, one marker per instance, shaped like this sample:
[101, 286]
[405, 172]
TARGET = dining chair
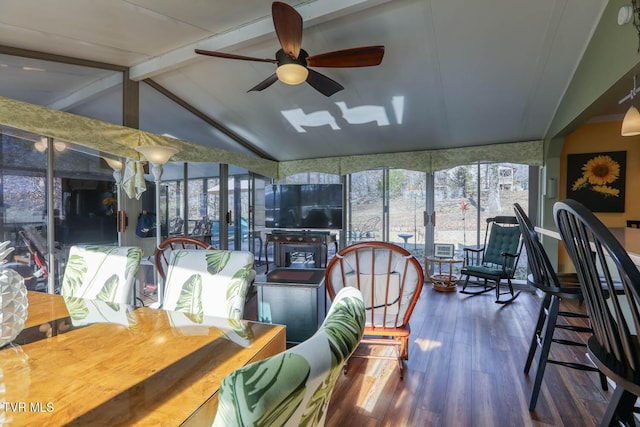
[106, 273]
[293, 388]
[163, 252]
[496, 260]
[390, 279]
[167, 246]
[601, 264]
[208, 282]
[556, 287]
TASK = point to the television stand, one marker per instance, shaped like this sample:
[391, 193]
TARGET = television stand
[286, 241]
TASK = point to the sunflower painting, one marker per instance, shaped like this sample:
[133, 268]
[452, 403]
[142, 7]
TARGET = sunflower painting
[597, 180]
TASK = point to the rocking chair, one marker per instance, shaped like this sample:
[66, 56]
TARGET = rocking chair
[496, 260]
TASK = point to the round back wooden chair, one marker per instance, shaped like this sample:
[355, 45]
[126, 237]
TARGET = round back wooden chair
[390, 279]
[162, 253]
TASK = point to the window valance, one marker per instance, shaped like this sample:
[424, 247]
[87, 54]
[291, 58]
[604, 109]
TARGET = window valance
[121, 141]
[528, 153]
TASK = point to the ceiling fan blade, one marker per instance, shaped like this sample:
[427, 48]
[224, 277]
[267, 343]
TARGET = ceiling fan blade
[232, 56]
[265, 83]
[288, 25]
[365, 56]
[323, 84]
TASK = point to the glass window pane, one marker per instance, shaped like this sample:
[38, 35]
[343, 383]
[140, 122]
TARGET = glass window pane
[23, 202]
[406, 208]
[456, 205]
[174, 206]
[197, 207]
[365, 206]
[461, 191]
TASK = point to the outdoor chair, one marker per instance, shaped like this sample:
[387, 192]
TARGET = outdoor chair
[601, 264]
[105, 273]
[294, 388]
[496, 260]
[366, 230]
[390, 279]
[556, 287]
[175, 225]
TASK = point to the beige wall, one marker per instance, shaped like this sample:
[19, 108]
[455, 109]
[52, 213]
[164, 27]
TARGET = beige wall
[599, 137]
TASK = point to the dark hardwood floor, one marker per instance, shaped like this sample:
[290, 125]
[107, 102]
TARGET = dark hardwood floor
[465, 368]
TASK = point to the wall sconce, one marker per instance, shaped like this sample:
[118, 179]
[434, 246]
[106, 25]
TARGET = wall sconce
[157, 155]
[631, 121]
[628, 13]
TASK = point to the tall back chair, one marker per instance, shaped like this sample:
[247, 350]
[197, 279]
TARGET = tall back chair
[293, 388]
[496, 260]
[390, 279]
[208, 282]
[105, 273]
[163, 252]
[601, 264]
[555, 287]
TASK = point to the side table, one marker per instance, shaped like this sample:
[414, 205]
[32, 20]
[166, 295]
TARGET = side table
[294, 297]
[444, 279]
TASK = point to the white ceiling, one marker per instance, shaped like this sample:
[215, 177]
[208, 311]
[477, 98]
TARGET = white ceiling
[455, 73]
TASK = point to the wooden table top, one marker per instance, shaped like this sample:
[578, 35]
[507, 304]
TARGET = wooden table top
[44, 308]
[144, 366]
[627, 236]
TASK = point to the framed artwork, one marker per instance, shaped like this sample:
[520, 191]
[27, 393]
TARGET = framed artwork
[597, 180]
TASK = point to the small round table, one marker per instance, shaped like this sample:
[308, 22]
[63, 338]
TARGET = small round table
[405, 237]
[444, 280]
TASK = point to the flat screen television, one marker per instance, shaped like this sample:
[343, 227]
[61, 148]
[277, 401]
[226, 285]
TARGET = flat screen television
[303, 206]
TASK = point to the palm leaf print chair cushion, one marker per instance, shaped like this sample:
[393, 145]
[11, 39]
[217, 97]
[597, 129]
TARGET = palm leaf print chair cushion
[89, 311]
[209, 282]
[163, 252]
[105, 273]
[293, 388]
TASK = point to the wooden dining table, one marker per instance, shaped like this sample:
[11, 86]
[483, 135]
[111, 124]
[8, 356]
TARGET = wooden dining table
[628, 237]
[86, 362]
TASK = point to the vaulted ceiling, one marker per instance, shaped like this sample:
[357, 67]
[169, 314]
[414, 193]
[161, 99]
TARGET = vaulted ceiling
[455, 73]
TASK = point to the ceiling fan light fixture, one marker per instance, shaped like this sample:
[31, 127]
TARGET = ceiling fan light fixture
[292, 74]
[293, 61]
[292, 71]
[631, 122]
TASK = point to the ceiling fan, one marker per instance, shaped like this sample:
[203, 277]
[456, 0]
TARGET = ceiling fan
[294, 62]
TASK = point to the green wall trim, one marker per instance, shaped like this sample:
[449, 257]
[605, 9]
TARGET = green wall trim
[609, 56]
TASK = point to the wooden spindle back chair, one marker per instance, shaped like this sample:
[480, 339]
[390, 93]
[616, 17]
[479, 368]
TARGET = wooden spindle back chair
[390, 279]
[602, 264]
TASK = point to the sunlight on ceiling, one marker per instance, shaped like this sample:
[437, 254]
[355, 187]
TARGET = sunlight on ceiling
[351, 115]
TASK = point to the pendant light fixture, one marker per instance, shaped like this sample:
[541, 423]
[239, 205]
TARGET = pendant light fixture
[631, 121]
